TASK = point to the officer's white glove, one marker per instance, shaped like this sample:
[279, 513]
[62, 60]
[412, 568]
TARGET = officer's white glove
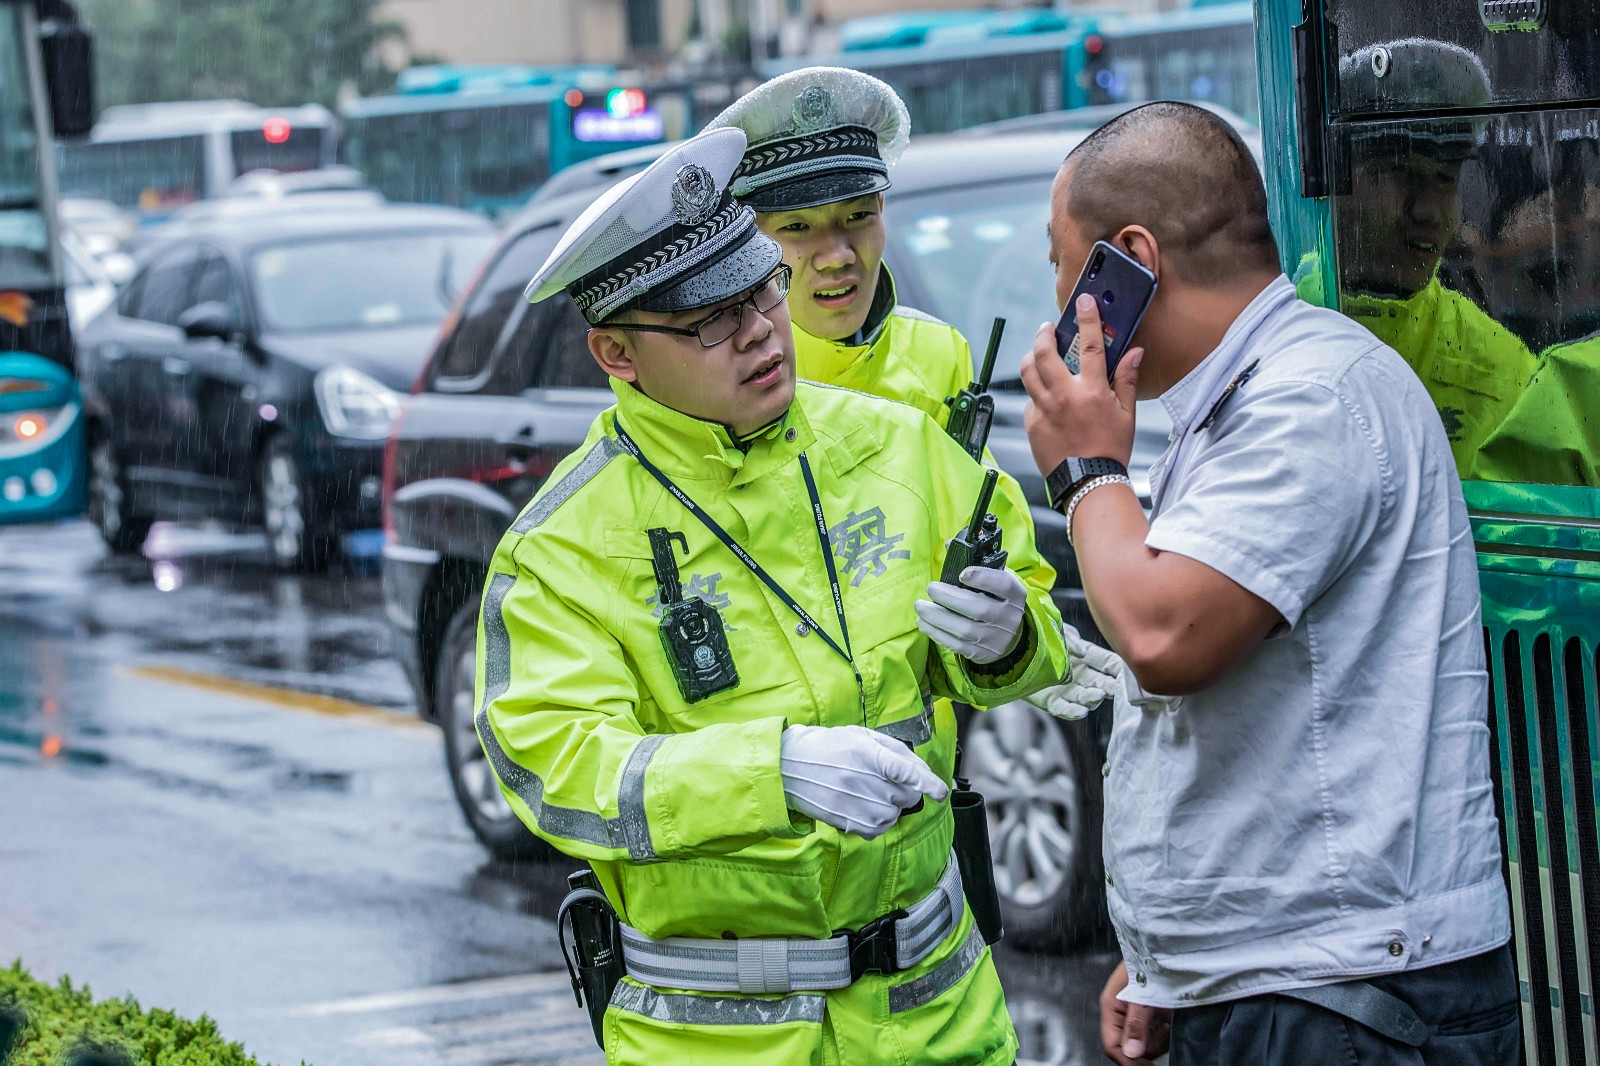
[1093, 678]
[981, 626]
[856, 780]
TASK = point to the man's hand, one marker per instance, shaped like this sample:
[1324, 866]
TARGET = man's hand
[1130, 1033]
[1082, 414]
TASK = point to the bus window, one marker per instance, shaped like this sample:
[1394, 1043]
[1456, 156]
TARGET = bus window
[277, 146]
[1469, 245]
[483, 158]
[505, 153]
[151, 175]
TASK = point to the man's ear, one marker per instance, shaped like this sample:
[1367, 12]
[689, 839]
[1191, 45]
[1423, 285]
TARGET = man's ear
[613, 350]
[1141, 246]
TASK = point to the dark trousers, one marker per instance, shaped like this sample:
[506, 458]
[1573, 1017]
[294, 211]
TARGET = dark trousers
[1472, 1007]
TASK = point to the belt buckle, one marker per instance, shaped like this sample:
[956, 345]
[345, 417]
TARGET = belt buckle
[873, 947]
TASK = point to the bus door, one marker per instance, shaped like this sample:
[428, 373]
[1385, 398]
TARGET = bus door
[1446, 193]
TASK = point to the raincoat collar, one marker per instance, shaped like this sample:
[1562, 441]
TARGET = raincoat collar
[825, 360]
[690, 449]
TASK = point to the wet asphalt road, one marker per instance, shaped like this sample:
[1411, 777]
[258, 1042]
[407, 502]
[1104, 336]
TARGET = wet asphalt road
[218, 799]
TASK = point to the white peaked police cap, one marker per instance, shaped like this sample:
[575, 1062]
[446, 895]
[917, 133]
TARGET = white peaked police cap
[817, 136]
[670, 238]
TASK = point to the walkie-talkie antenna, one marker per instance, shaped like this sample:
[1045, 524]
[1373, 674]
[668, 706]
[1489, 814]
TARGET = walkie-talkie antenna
[996, 331]
[985, 494]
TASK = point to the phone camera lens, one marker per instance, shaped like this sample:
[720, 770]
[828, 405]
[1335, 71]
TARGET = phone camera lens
[1098, 262]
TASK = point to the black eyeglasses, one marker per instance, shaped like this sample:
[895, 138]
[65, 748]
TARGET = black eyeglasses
[719, 325]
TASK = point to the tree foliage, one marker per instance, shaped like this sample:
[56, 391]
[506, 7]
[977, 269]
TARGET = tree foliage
[269, 52]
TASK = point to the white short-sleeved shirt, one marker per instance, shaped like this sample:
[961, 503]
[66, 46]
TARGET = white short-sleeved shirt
[1325, 811]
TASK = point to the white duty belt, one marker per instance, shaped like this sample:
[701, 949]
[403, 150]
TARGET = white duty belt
[891, 944]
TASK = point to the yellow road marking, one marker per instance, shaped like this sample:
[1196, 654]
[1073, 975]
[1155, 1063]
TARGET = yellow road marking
[279, 697]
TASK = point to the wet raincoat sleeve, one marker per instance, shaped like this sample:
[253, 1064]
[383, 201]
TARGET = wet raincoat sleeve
[557, 699]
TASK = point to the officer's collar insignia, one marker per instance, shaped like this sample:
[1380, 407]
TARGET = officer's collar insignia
[694, 195]
[814, 109]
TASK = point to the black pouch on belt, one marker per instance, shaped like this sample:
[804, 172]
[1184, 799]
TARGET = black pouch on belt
[595, 961]
[977, 865]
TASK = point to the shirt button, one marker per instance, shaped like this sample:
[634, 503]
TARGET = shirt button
[1396, 948]
[791, 436]
[802, 630]
[1105, 769]
[1139, 978]
[1108, 878]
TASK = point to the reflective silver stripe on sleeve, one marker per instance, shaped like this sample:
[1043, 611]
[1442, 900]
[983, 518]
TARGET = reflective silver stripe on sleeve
[716, 1010]
[939, 980]
[568, 823]
[630, 798]
[913, 731]
[604, 450]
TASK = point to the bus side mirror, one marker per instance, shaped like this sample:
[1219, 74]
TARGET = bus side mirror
[68, 53]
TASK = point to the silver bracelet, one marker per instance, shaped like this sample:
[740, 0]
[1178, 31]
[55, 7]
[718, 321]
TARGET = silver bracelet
[1088, 487]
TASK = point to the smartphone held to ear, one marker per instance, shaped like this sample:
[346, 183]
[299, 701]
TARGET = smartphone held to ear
[1122, 288]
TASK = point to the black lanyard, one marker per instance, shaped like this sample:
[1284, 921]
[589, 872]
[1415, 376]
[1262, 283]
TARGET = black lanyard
[756, 568]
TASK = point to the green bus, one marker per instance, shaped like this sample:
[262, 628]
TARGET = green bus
[1435, 174]
[486, 138]
[957, 69]
[961, 69]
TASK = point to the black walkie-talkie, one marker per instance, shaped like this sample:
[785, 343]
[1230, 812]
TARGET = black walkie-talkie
[972, 409]
[691, 629]
[979, 543]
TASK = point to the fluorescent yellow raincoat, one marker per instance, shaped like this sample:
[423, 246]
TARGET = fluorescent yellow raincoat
[680, 807]
[1552, 435]
[1473, 368]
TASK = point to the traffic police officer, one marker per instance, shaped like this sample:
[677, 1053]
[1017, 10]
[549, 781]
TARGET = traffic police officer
[821, 143]
[709, 647]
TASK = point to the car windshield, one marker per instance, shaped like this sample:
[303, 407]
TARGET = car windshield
[978, 254]
[371, 281]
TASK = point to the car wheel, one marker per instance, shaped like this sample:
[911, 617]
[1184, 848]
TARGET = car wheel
[109, 500]
[476, 789]
[293, 540]
[1040, 782]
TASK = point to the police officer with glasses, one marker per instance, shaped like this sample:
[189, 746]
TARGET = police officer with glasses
[710, 648]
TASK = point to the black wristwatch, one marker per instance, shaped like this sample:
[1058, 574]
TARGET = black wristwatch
[1064, 480]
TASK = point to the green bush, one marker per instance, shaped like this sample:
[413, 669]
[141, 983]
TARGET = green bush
[54, 1025]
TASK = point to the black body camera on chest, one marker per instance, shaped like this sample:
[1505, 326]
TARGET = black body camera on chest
[692, 633]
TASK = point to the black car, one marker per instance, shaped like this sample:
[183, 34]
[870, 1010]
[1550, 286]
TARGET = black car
[251, 369]
[512, 389]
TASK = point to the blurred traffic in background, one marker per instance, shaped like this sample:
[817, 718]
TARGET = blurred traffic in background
[284, 395]
[303, 397]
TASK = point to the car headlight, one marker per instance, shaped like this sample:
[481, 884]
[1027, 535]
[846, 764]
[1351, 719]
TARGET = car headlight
[354, 404]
